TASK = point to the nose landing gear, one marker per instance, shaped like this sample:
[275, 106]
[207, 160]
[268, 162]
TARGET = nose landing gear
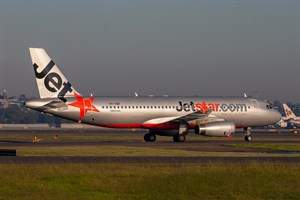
[248, 136]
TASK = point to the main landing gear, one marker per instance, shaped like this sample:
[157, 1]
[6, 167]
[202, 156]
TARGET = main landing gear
[149, 137]
[183, 130]
[179, 138]
[248, 137]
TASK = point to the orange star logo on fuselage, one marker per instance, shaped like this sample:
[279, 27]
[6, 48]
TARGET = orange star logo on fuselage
[84, 105]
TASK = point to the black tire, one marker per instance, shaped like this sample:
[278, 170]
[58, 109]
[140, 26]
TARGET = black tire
[248, 138]
[152, 137]
[175, 138]
[179, 138]
[149, 137]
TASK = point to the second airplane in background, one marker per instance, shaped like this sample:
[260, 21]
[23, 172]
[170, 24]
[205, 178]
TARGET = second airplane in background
[166, 116]
[290, 116]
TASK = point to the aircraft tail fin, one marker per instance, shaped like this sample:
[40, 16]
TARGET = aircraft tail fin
[50, 80]
[288, 112]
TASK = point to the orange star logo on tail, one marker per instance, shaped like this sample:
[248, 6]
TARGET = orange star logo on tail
[84, 105]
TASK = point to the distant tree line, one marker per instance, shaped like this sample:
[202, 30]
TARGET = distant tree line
[16, 113]
[294, 107]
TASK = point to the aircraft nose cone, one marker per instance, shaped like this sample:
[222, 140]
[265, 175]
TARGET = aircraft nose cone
[277, 116]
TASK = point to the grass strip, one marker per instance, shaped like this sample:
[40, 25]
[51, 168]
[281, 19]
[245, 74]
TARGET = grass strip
[293, 147]
[160, 181]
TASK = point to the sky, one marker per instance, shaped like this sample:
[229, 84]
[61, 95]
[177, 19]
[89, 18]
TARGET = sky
[173, 47]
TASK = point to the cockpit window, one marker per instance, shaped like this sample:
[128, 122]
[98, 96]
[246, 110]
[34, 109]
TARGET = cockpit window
[269, 106]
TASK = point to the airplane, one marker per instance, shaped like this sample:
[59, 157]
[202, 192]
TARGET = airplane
[164, 116]
[290, 116]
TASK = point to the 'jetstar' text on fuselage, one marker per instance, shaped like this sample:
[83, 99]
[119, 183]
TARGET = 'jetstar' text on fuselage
[216, 107]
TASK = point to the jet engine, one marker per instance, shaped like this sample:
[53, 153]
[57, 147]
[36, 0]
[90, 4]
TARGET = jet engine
[215, 129]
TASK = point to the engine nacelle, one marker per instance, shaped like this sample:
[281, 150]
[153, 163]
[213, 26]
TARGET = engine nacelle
[216, 129]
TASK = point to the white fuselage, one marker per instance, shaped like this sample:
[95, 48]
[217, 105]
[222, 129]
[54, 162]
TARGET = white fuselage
[133, 112]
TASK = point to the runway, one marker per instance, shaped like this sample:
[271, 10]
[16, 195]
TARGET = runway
[145, 160]
[204, 150]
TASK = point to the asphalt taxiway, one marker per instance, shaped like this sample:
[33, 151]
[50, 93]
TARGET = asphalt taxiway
[10, 139]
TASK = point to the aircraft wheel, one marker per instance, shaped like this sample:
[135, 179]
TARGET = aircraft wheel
[179, 138]
[149, 137]
[248, 138]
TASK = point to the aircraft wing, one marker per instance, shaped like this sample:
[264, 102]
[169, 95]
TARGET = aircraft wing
[194, 116]
[198, 117]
